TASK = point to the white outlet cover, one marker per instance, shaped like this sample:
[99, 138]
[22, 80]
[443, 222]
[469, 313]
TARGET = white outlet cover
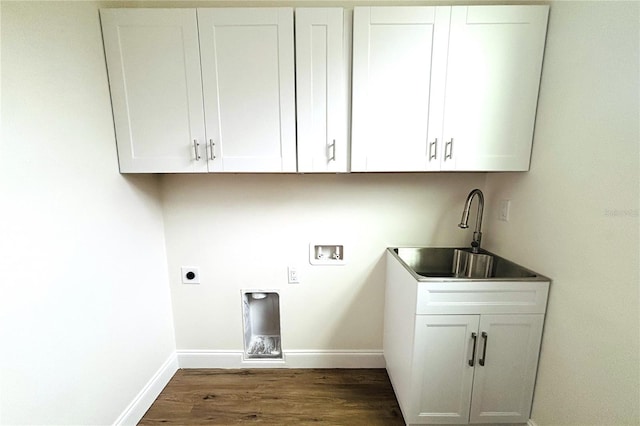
[187, 272]
[503, 213]
[293, 275]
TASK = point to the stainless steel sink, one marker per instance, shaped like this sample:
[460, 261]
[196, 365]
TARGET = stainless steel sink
[467, 264]
[460, 264]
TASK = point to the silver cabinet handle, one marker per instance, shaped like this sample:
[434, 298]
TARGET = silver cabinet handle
[211, 151]
[196, 145]
[448, 150]
[332, 147]
[472, 361]
[482, 360]
[433, 149]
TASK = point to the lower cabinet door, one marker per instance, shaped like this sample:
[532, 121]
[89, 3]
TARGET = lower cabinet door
[443, 360]
[507, 360]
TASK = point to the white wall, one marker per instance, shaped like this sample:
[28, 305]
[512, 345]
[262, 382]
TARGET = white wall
[574, 216]
[85, 304]
[244, 230]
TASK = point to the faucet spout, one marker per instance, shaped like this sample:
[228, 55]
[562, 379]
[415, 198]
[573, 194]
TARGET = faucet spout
[464, 222]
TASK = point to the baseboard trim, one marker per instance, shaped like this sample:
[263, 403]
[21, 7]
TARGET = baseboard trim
[291, 359]
[141, 403]
[531, 423]
[334, 359]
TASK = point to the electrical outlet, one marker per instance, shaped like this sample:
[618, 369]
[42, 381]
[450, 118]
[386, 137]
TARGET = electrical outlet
[292, 273]
[503, 213]
[190, 275]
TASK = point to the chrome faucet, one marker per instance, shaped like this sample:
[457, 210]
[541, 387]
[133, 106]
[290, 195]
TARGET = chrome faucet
[464, 223]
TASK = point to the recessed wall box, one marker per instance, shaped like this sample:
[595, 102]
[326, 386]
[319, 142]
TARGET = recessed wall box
[326, 254]
[261, 313]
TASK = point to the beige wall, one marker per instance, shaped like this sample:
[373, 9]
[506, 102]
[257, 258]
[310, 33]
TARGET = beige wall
[85, 311]
[574, 216]
[244, 230]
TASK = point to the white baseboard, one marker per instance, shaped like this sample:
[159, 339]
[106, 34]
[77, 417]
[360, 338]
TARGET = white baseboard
[334, 359]
[141, 403]
[209, 359]
[291, 359]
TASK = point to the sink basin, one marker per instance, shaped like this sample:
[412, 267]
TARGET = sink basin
[471, 265]
[460, 264]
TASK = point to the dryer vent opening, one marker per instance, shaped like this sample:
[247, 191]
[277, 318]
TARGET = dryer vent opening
[261, 310]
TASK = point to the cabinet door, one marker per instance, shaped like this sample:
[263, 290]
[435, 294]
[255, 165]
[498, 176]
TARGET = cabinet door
[493, 75]
[248, 81]
[153, 61]
[394, 90]
[321, 77]
[443, 368]
[507, 363]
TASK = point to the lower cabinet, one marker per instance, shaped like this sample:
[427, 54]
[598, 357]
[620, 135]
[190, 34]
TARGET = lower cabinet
[474, 368]
[462, 351]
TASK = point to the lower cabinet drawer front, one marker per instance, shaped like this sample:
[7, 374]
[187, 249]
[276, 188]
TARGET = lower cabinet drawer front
[476, 297]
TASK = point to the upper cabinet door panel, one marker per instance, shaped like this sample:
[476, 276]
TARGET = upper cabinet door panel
[321, 90]
[392, 61]
[493, 75]
[248, 80]
[154, 75]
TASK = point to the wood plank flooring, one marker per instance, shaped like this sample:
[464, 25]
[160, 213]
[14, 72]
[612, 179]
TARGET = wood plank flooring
[276, 397]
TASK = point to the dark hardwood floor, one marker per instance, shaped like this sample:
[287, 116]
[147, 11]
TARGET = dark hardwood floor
[277, 397]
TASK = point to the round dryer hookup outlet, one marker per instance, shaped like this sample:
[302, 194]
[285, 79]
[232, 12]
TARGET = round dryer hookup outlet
[190, 275]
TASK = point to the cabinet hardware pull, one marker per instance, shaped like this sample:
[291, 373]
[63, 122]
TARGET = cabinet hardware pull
[196, 145]
[433, 149]
[472, 361]
[482, 360]
[333, 151]
[449, 145]
[211, 146]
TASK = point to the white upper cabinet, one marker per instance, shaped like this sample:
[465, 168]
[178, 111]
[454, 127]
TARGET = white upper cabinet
[493, 75]
[445, 88]
[394, 52]
[153, 61]
[248, 79]
[206, 90]
[451, 88]
[321, 90]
